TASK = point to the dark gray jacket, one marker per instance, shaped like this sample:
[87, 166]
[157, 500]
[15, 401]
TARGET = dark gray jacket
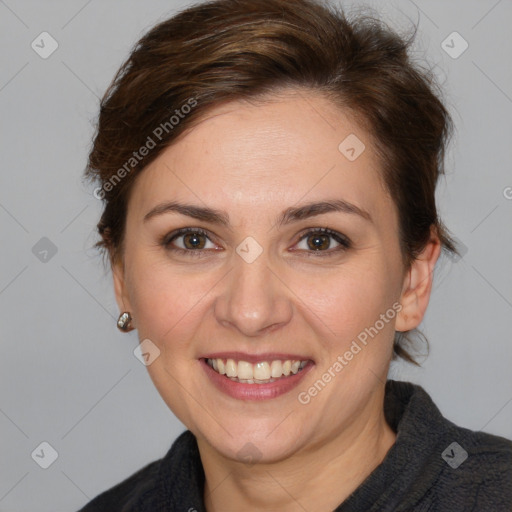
[434, 466]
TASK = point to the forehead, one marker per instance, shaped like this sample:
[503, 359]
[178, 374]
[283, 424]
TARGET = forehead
[267, 154]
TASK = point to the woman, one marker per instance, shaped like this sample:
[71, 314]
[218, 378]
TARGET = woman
[268, 170]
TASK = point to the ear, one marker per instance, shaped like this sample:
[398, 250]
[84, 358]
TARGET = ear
[120, 288]
[417, 285]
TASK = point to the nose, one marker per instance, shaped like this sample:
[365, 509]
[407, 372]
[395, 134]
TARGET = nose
[253, 299]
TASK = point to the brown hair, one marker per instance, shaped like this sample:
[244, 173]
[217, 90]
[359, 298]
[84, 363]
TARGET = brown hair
[225, 50]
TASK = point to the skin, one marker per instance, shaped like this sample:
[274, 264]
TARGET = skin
[253, 160]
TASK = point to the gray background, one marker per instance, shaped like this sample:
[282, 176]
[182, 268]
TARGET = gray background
[69, 378]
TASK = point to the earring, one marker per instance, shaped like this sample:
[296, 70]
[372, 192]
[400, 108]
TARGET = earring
[124, 322]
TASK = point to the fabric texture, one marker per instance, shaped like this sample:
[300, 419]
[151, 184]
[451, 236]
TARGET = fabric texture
[434, 466]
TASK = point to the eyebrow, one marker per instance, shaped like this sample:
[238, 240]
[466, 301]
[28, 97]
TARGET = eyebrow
[288, 216]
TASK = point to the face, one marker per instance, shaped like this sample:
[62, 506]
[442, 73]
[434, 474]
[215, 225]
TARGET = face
[263, 283]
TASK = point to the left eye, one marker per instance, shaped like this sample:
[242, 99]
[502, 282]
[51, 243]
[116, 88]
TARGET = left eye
[319, 240]
[192, 239]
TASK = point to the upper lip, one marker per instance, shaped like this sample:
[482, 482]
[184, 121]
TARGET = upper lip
[256, 358]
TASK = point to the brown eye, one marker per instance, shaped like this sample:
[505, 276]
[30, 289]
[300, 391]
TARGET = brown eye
[317, 242]
[321, 239]
[188, 240]
[193, 241]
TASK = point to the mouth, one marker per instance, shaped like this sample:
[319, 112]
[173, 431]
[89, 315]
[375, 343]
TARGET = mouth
[262, 372]
[263, 377]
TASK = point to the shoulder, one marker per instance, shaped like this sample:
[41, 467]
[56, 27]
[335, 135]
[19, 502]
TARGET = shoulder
[149, 484]
[454, 467]
[477, 469]
[123, 496]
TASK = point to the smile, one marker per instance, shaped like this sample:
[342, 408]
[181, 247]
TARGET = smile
[262, 372]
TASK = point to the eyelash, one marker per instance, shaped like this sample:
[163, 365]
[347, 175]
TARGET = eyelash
[344, 242]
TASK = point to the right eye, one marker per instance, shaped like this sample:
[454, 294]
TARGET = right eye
[193, 241]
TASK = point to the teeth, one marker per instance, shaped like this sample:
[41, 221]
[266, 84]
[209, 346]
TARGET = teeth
[261, 370]
[231, 368]
[276, 369]
[244, 370]
[259, 373]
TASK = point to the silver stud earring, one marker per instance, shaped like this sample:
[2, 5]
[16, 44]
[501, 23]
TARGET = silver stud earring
[124, 322]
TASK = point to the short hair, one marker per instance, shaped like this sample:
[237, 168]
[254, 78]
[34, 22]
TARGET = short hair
[224, 50]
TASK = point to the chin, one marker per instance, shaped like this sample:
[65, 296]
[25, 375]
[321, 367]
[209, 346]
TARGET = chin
[258, 441]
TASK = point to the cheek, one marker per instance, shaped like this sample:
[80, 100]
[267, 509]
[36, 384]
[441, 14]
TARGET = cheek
[166, 301]
[348, 302]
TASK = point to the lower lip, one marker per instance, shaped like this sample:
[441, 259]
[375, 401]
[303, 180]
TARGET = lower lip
[244, 391]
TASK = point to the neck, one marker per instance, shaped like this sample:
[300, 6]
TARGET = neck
[317, 478]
